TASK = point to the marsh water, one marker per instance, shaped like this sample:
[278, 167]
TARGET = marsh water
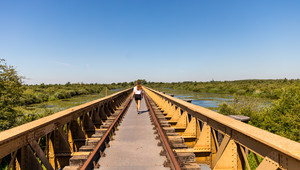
[59, 105]
[207, 100]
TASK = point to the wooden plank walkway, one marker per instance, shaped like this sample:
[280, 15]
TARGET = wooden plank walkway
[134, 145]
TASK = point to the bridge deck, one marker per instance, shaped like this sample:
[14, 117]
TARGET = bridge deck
[134, 145]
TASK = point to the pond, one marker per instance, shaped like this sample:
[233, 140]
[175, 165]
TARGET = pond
[207, 100]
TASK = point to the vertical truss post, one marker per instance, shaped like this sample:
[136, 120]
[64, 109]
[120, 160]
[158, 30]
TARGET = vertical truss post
[205, 147]
[12, 164]
[183, 121]
[76, 135]
[27, 160]
[36, 147]
[106, 110]
[176, 116]
[96, 118]
[88, 125]
[59, 149]
[102, 114]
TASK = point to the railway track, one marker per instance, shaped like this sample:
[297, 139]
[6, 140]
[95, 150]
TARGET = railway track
[94, 147]
[174, 160]
[105, 146]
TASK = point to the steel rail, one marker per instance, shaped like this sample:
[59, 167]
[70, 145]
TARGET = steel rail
[170, 154]
[95, 155]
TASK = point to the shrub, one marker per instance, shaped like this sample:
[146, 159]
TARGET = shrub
[10, 95]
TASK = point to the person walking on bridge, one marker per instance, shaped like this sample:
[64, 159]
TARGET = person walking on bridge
[138, 92]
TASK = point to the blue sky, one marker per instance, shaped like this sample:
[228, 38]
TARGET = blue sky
[104, 41]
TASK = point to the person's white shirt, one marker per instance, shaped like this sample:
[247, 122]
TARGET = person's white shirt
[136, 91]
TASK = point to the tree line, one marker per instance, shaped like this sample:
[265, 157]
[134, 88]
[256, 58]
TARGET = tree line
[271, 89]
[13, 92]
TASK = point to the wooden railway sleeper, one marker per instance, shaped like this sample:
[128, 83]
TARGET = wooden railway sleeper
[80, 158]
[185, 160]
[108, 136]
[163, 153]
[96, 165]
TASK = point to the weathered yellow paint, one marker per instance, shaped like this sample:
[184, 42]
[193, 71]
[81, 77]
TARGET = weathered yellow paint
[204, 141]
[191, 133]
[57, 128]
[167, 107]
[80, 153]
[229, 158]
[175, 117]
[258, 141]
[70, 139]
[50, 151]
[171, 112]
[268, 164]
[191, 129]
[183, 121]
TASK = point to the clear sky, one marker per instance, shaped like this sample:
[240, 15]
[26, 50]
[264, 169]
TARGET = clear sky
[104, 41]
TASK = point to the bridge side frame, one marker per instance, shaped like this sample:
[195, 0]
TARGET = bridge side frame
[64, 132]
[203, 126]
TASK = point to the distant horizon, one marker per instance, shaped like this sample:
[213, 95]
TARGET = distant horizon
[56, 42]
[164, 82]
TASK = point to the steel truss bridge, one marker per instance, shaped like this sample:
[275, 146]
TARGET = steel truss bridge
[189, 137]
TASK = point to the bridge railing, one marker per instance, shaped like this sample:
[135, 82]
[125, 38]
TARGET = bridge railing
[51, 141]
[223, 142]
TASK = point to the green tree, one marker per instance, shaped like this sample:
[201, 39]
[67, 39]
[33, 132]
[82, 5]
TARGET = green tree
[10, 92]
[283, 117]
